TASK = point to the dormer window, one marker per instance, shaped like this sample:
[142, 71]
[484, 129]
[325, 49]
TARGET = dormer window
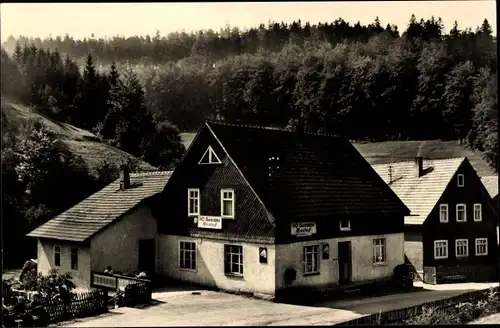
[460, 180]
[345, 225]
[209, 157]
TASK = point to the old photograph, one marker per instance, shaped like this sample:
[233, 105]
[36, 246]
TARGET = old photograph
[249, 164]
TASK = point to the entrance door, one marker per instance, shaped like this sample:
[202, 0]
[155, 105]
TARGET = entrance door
[345, 262]
[147, 256]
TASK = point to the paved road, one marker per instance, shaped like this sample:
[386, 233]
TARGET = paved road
[181, 308]
[216, 309]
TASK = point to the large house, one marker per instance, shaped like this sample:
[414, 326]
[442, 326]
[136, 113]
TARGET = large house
[450, 234]
[261, 210]
[112, 227]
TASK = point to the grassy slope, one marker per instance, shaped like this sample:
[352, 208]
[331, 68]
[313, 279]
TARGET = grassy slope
[80, 142]
[397, 151]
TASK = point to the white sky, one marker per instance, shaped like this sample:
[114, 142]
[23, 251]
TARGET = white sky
[105, 19]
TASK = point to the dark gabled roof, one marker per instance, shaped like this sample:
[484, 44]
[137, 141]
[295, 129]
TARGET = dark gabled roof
[94, 213]
[419, 194]
[317, 175]
[491, 184]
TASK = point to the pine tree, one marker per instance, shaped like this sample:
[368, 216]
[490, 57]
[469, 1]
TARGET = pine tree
[18, 53]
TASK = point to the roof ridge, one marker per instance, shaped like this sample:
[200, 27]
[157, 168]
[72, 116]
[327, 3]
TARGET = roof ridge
[262, 127]
[150, 173]
[427, 160]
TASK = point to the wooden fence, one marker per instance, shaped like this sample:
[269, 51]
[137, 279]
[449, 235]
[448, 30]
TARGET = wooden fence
[81, 305]
[399, 315]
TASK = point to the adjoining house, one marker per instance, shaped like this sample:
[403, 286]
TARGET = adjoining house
[491, 184]
[450, 235]
[261, 210]
[112, 227]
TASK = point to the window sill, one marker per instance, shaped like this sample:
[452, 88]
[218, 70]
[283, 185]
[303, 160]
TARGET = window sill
[234, 275]
[444, 221]
[481, 254]
[345, 229]
[478, 220]
[380, 264]
[440, 258]
[227, 217]
[192, 215]
[311, 274]
[188, 270]
[461, 221]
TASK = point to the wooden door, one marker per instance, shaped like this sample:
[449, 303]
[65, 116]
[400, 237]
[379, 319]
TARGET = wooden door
[345, 262]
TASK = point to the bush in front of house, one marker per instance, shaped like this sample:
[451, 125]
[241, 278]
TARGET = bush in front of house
[460, 313]
[50, 286]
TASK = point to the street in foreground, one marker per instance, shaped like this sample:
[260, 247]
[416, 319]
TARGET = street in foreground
[182, 308]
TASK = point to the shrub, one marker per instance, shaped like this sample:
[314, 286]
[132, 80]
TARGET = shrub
[51, 285]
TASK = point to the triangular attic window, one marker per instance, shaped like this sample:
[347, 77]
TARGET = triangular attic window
[209, 157]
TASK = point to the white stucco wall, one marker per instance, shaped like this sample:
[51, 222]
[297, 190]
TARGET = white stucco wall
[291, 255]
[45, 259]
[257, 277]
[118, 244]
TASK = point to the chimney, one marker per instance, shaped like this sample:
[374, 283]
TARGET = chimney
[419, 166]
[124, 178]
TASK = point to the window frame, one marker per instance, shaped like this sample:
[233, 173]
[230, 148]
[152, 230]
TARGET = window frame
[457, 211]
[480, 206]
[446, 247]
[315, 260]
[476, 246]
[441, 207]
[466, 247]
[233, 203]
[375, 247]
[211, 154]
[460, 176]
[228, 265]
[190, 212]
[345, 228]
[72, 266]
[182, 260]
[56, 252]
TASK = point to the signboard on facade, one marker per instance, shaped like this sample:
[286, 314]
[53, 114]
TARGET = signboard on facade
[210, 222]
[301, 229]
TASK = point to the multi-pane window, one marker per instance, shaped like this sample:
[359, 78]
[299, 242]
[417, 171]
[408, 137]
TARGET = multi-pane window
[233, 259]
[443, 213]
[187, 255]
[478, 213]
[462, 247]
[481, 246]
[227, 203]
[440, 249]
[460, 180]
[461, 213]
[378, 250]
[193, 202]
[311, 259]
[57, 255]
[74, 259]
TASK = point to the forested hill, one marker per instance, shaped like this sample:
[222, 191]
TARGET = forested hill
[370, 83]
